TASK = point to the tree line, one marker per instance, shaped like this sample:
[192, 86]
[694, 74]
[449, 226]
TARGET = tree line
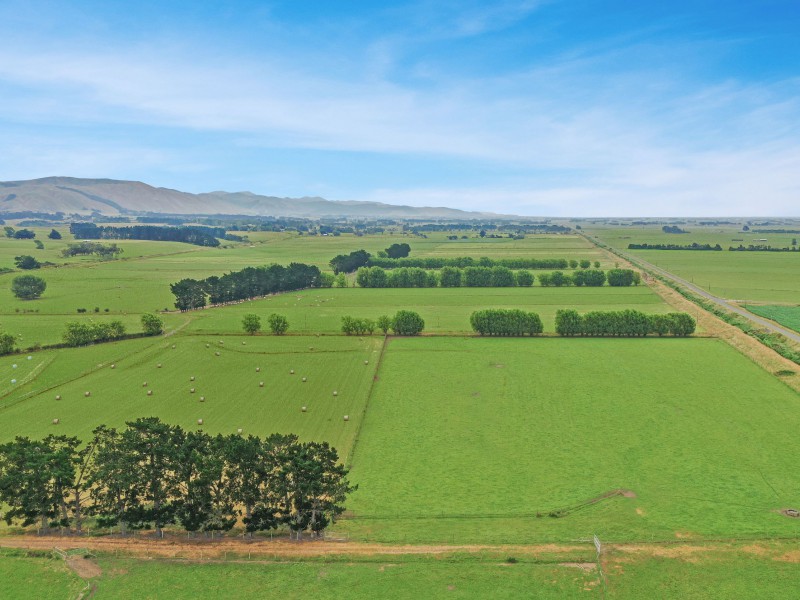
[189, 234]
[497, 276]
[468, 261]
[151, 475]
[404, 322]
[83, 333]
[694, 246]
[250, 282]
[622, 323]
[762, 248]
[506, 322]
[89, 248]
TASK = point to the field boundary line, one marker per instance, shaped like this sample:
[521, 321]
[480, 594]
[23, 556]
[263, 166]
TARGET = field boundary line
[351, 454]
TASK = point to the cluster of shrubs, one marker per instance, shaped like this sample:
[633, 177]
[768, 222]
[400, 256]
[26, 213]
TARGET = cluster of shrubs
[81, 333]
[506, 322]
[404, 322]
[96, 309]
[89, 248]
[152, 474]
[498, 276]
[622, 323]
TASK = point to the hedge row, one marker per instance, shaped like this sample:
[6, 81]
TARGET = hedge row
[506, 322]
[468, 261]
[622, 323]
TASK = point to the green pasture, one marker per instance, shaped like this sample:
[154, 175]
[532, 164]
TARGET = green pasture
[444, 309]
[468, 439]
[36, 576]
[744, 276]
[788, 316]
[229, 384]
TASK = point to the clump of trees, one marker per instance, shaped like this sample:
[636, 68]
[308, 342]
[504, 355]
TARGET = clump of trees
[349, 263]
[694, 246]
[194, 234]
[251, 323]
[54, 234]
[24, 234]
[28, 287]
[623, 323]
[82, 333]
[357, 326]
[407, 322]
[250, 282]
[152, 324]
[89, 248]
[151, 475]
[623, 277]
[278, 324]
[398, 251]
[26, 262]
[673, 229]
[8, 343]
[506, 322]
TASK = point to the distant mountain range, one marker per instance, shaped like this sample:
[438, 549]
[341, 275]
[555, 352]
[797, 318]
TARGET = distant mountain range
[72, 195]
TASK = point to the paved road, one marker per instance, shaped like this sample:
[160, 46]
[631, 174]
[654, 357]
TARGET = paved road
[792, 335]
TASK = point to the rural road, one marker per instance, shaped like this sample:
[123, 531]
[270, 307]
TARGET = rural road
[767, 324]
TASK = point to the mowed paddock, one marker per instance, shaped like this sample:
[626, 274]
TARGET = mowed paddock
[256, 384]
[648, 439]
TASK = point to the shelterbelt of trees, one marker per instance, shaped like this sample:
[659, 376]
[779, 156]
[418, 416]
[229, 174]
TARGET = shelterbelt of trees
[152, 474]
[622, 323]
[694, 246]
[250, 282]
[497, 276]
[189, 234]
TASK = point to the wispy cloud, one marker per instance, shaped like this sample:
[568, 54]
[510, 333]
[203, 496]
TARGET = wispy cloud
[590, 131]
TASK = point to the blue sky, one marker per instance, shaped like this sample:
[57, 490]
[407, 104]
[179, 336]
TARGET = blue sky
[535, 107]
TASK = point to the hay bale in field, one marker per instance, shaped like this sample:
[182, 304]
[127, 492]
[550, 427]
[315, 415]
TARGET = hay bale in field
[113, 366]
[13, 381]
[191, 391]
[239, 430]
[87, 394]
[56, 421]
[303, 409]
[202, 398]
[258, 369]
[199, 421]
[244, 343]
[144, 384]
[335, 393]
[304, 379]
[30, 357]
[191, 378]
[58, 396]
[216, 353]
[208, 345]
[260, 384]
[291, 371]
[158, 366]
[366, 362]
[347, 417]
[149, 392]
[14, 366]
[173, 346]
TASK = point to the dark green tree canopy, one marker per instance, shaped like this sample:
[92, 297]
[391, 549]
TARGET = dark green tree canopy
[28, 287]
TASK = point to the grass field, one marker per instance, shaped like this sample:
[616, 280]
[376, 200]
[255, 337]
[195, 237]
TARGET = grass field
[40, 577]
[747, 276]
[229, 384]
[520, 427]
[444, 309]
[788, 316]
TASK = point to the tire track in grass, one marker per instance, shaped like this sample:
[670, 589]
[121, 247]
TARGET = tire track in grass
[351, 453]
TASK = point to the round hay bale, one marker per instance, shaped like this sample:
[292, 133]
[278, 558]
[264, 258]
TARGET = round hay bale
[239, 430]
[30, 357]
[191, 378]
[335, 393]
[199, 421]
[291, 371]
[158, 366]
[113, 366]
[258, 369]
[202, 398]
[216, 353]
[173, 346]
[303, 409]
[304, 379]
[260, 384]
[149, 392]
[191, 391]
[56, 421]
[347, 417]
[14, 366]
[13, 381]
[208, 345]
[366, 362]
[87, 394]
[244, 343]
[144, 384]
[58, 396]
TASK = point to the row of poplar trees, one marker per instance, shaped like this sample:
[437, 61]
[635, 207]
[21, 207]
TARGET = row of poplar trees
[152, 474]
